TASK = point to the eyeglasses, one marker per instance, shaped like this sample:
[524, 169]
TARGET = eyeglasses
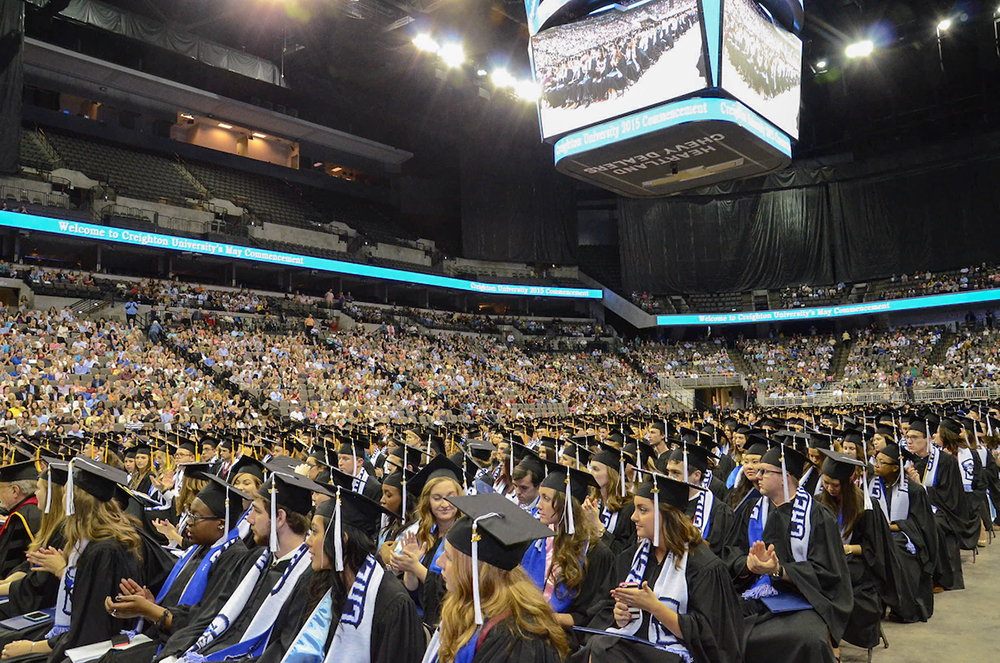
[879, 461]
[194, 518]
[763, 471]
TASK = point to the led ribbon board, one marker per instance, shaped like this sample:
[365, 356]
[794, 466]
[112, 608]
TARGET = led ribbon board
[819, 312]
[139, 238]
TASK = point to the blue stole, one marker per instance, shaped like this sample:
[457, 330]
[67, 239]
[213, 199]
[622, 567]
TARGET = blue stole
[310, 643]
[533, 564]
[733, 476]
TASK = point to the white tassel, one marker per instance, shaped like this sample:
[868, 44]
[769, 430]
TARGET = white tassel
[784, 476]
[570, 521]
[227, 509]
[402, 515]
[274, 516]
[656, 514]
[621, 474]
[476, 601]
[684, 446]
[68, 500]
[48, 490]
[338, 533]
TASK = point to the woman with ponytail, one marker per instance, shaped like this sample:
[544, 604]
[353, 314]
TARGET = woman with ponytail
[671, 591]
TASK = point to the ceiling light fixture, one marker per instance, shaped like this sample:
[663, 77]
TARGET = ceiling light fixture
[223, 125]
[861, 49]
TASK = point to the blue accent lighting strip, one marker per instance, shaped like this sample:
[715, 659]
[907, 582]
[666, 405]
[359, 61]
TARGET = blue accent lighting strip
[869, 308]
[671, 115]
[230, 251]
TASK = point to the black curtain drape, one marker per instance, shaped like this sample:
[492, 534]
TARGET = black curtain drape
[725, 244]
[933, 211]
[11, 83]
[515, 206]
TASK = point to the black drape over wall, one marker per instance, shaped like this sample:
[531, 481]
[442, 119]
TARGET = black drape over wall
[846, 225]
[11, 83]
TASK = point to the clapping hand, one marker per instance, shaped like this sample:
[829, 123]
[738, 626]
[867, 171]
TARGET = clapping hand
[762, 559]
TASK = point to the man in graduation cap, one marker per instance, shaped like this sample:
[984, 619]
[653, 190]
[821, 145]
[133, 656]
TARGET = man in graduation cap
[351, 460]
[17, 497]
[268, 597]
[708, 512]
[940, 475]
[797, 597]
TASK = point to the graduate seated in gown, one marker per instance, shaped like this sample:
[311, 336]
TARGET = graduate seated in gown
[573, 568]
[215, 549]
[794, 576]
[102, 549]
[714, 518]
[673, 599]
[905, 506]
[609, 507]
[493, 613]
[357, 610]
[871, 556]
[35, 583]
[17, 497]
[266, 600]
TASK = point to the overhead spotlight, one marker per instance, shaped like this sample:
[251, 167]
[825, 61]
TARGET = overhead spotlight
[502, 78]
[944, 25]
[425, 42]
[821, 66]
[187, 116]
[223, 125]
[452, 54]
[258, 134]
[527, 90]
[861, 49]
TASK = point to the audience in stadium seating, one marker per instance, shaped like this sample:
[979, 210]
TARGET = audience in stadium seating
[891, 359]
[790, 366]
[684, 359]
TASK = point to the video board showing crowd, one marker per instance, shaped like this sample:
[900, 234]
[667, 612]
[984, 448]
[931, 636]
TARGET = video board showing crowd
[617, 62]
[762, 63]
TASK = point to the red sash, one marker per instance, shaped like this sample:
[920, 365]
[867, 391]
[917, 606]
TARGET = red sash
[12, 514]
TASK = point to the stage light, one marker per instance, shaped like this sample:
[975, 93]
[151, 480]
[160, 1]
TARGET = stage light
[821, 66]
[223, 125]
[425, 42]
[861, 49]
[502, 78]
[944, 25]
[257, 134]
[452, 55]
[527, 90]
[187, 116]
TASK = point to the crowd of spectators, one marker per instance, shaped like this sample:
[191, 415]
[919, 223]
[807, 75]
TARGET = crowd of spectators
[804, 295]
[684, 359]
[972, 360]
[926, 283]
[885, 360]
[790, 366]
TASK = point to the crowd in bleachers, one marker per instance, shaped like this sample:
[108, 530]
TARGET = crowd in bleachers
[684, 359]
[805, 295]
[882, 360]
[790, 366]
[972, 360]
[926, 283]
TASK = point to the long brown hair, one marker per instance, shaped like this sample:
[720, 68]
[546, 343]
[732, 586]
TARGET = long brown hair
[951, 441]
[679, 534]
[568, 549]
[849, 508]
[502, 593]
[190, 487]
[615, 502]
[94, 520]
[423, 512]
[51, 520]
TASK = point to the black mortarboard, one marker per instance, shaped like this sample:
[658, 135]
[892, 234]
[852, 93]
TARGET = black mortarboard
[795, 461]
[247, 465]
[839, 466]
[355, 447]
[894, 451]
[356, 509]
[505, 530]
[481, 450]
[698, 457]
[215, 494]
[580, 453]
[439, 466]
[96, 478]
[294, 491]
[580, 481]
[23, 471]
[672, 492]
[820, 441]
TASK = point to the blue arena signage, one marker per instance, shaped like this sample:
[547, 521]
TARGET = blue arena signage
[139, 238]
[869, 308]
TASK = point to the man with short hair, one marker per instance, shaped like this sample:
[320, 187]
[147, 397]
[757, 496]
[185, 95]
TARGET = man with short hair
[527, 478]
[17, 497]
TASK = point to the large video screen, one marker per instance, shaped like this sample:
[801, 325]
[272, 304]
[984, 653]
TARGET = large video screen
[761, 64]
[617, 62]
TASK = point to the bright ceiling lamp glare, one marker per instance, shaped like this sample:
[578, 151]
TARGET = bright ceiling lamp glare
[944, 25]
[187, 116]
[452, 55]
[425, 42]
[503, 78]
[223, 125]
[821, 67]
[861, 49]
[258, 134]
[527, 90]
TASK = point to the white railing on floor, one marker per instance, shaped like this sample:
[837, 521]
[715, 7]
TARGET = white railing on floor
[887, 396]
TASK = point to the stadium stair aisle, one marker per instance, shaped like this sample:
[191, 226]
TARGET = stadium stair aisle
[739, 361]
[959, 631]
[936, 357]
[839, 361]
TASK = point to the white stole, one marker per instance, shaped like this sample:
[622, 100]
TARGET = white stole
[64, 601]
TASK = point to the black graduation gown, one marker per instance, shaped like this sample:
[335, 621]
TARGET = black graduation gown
[595, 586]
[991, 477]
[718, 488]
[720, 524]
[712, 627]
[101, 568]
[503, 645]
[15, 539]
[872, 578]
[955, 520]
[823, 579]
[430, 593]
[734, 552]
[289, 621]
[181, 639]
[622, 535]
[915, 580]
[36, 590]
[724, 467]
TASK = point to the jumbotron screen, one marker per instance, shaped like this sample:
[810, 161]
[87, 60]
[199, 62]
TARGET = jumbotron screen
[617, 61]
[762, 63]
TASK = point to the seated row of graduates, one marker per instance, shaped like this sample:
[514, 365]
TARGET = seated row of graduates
[260, 579]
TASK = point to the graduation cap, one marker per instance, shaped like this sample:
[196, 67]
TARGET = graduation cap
[897, 453]
[582, 454]
[439, 466]
[576, 483]
[400, 480]
[23, 471]
[612, 457]
[839, 466]
[56, 473]
[481, 450]
[693, 455]
[248, 465]
[821, 441]
[94, 478]
[495, 531]
[355, 447]
[661, 488]
[290, 491]
[409, 455]
[218, 496]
